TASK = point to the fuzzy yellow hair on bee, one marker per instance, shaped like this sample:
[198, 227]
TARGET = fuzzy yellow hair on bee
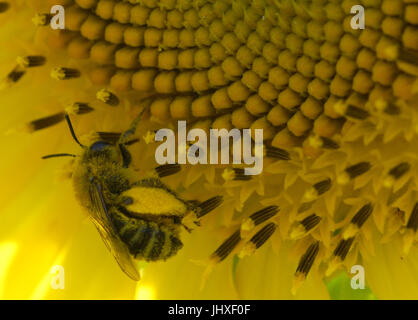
[138, 217]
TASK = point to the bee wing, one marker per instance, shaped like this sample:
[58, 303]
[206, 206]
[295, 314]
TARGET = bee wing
[118, 249]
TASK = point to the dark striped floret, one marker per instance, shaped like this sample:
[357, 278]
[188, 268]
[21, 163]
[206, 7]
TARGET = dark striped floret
[227, 246]
[111, 137]
[263, 235]
[81, 108]
[413, 219]
[322, 186]
[264, 214]
[65, 73]
[308, 258]
[358, 169]
[108, 97]
[343, 248]
[277, 153]
[43, 19]
[46, 122]
[328, 143]
[31, 61]
[310, 222]
[208, 205]
[362, 215]
[167, 169]
[399, 170]
[16, 74]
[239, 174]
[356, 113]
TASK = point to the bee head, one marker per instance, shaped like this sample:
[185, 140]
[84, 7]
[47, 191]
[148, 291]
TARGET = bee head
[100, 146]
[99, 149]
[103, 150]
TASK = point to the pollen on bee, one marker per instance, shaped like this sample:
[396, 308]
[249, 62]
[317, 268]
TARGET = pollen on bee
[61, 73]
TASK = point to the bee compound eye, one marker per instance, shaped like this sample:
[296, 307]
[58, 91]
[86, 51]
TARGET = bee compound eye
[99, 146]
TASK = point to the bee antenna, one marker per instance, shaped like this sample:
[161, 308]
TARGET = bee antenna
[58, 155]
[67, 117]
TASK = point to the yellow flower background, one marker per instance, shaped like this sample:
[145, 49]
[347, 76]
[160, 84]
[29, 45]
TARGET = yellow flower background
[341, 104]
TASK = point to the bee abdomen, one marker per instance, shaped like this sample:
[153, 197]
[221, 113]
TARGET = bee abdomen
[153, 250]
[163, 244]
[147, 240]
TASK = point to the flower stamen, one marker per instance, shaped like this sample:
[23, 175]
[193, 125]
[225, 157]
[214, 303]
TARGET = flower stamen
[258, 240]
[256, 219]
[45, 122]
[235, 174]
[107, 97]
[61, 73]
[306, 225]
[30, 61]
[339, 255]
[304, 266]
[358, 220]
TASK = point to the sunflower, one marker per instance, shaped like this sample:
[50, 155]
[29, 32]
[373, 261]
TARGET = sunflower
[338, 109]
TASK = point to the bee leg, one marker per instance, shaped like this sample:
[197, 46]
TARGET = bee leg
[166, 170]
[189, 230]
[127, 135]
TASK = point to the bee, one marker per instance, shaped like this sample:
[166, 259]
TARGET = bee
[137, 216]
